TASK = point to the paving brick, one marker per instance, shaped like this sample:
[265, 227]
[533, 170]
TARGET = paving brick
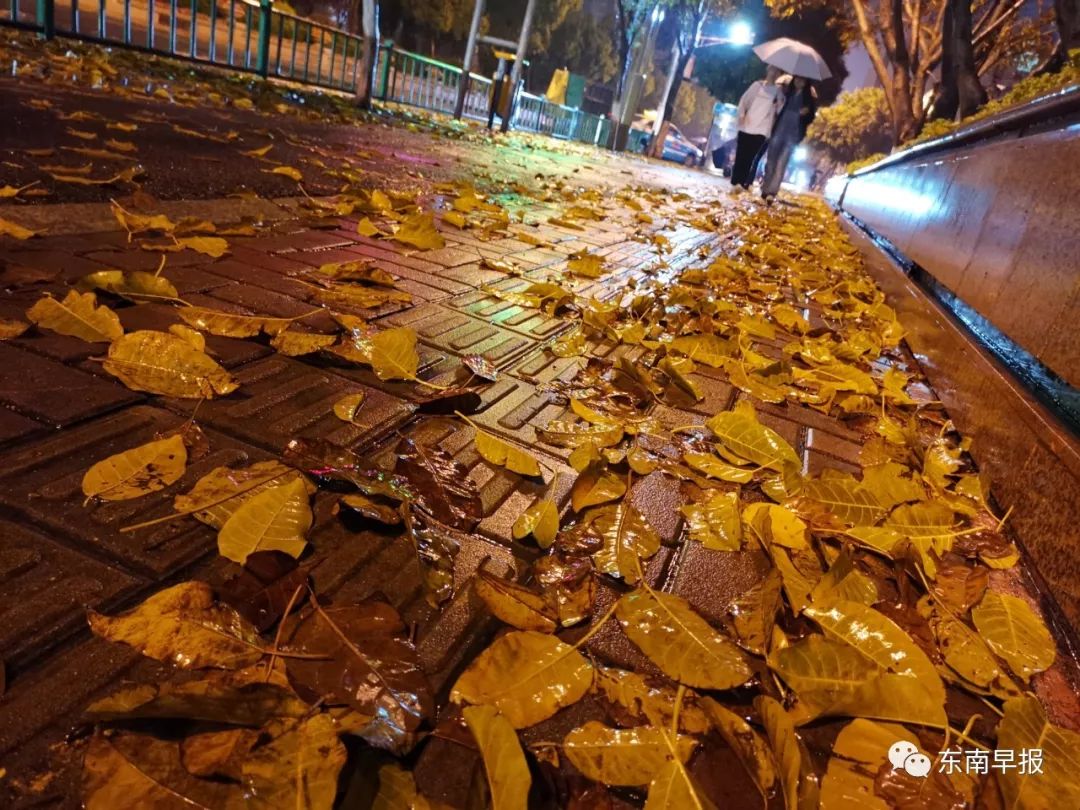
[58, 265]
[832, 445]
[16, 428]
[460, 335]
[43, 481]
[528, 321]
[54, 394]
[519, 409]
[55, 585]
[280, 399]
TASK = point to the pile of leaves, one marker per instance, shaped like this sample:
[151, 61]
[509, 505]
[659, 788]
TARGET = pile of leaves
[883, 595]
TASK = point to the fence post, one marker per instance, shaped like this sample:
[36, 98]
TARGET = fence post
[46, 18]
[384, 79]
[262, 63]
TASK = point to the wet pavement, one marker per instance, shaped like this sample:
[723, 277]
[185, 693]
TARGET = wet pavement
[62, 412]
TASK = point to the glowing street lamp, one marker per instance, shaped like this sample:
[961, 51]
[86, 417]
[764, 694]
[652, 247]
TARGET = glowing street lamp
[740, 33]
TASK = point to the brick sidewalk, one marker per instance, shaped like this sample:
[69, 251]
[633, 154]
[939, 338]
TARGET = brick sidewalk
[63, 413]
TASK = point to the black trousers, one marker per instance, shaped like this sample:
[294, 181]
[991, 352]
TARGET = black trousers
[748, 151]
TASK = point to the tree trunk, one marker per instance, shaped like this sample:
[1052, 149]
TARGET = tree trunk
[970, 93]
[961, 91]
[1067, 16]
[948, 98]
[666, 108]
[369, 54]
[903, 104]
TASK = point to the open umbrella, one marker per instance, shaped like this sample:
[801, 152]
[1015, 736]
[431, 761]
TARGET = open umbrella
[793, 57]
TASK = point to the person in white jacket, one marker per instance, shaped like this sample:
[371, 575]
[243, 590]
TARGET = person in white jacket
[758, 108]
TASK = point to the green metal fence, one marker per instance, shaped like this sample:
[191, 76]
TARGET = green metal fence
[409, 78]
[250, 35]
[240, 34]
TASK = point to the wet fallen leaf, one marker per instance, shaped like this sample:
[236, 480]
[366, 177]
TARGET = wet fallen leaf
[365, 506]
[746, 437]
[185, 626]
[219, 493]
[715, 521]
[345, 408]
[503, 454]
[626, 757]
[846, 499]
[679, 641]
[595, 486]
[436, 547]
[16, 231]
[794, 768]
[1057, 782]
[775, 524]
[442, 485]
[527, 676]
[575, 434]
[11, 328]
[753, 612]
[481, 367]
[359, 270]
[419, 231]
[362, 658]
[628, 539]
[714, 467]
[392, 354]
[507, 771]
[294, 343]
[1015, 632]
[648, 700]
[270, 583]
[514, 604]
[586, 264]
[135, 770]
[675, 789]
[78, 315]
[137, 285]
[162, 363]
[541, 520]
[137, 472]
[298, 768]
[228, 324]
[860, 751]
[286, 171]
[275, 519]
[218, 753]
[753, 752]
[240, 698]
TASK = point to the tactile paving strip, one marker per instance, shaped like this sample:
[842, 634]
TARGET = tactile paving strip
[525, 320]
[461, 335]
[43, 480]
[281, 399]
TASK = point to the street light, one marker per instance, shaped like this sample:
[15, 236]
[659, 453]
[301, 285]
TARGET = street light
[741, 33]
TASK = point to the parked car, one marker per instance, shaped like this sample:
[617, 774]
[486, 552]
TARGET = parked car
[677, 147]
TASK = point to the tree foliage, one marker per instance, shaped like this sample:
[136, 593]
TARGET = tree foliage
[854, 126]
[905, 43]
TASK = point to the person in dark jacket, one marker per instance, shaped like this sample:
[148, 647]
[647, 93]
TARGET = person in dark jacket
[758, 109]
[799, 109]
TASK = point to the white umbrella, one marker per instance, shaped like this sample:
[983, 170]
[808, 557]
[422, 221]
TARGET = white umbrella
[793, 57]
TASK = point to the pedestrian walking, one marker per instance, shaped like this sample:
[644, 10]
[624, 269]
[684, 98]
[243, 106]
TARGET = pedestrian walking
[758, 108]
[798, 110]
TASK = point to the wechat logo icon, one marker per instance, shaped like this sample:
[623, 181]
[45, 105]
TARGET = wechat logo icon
[906, 755]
